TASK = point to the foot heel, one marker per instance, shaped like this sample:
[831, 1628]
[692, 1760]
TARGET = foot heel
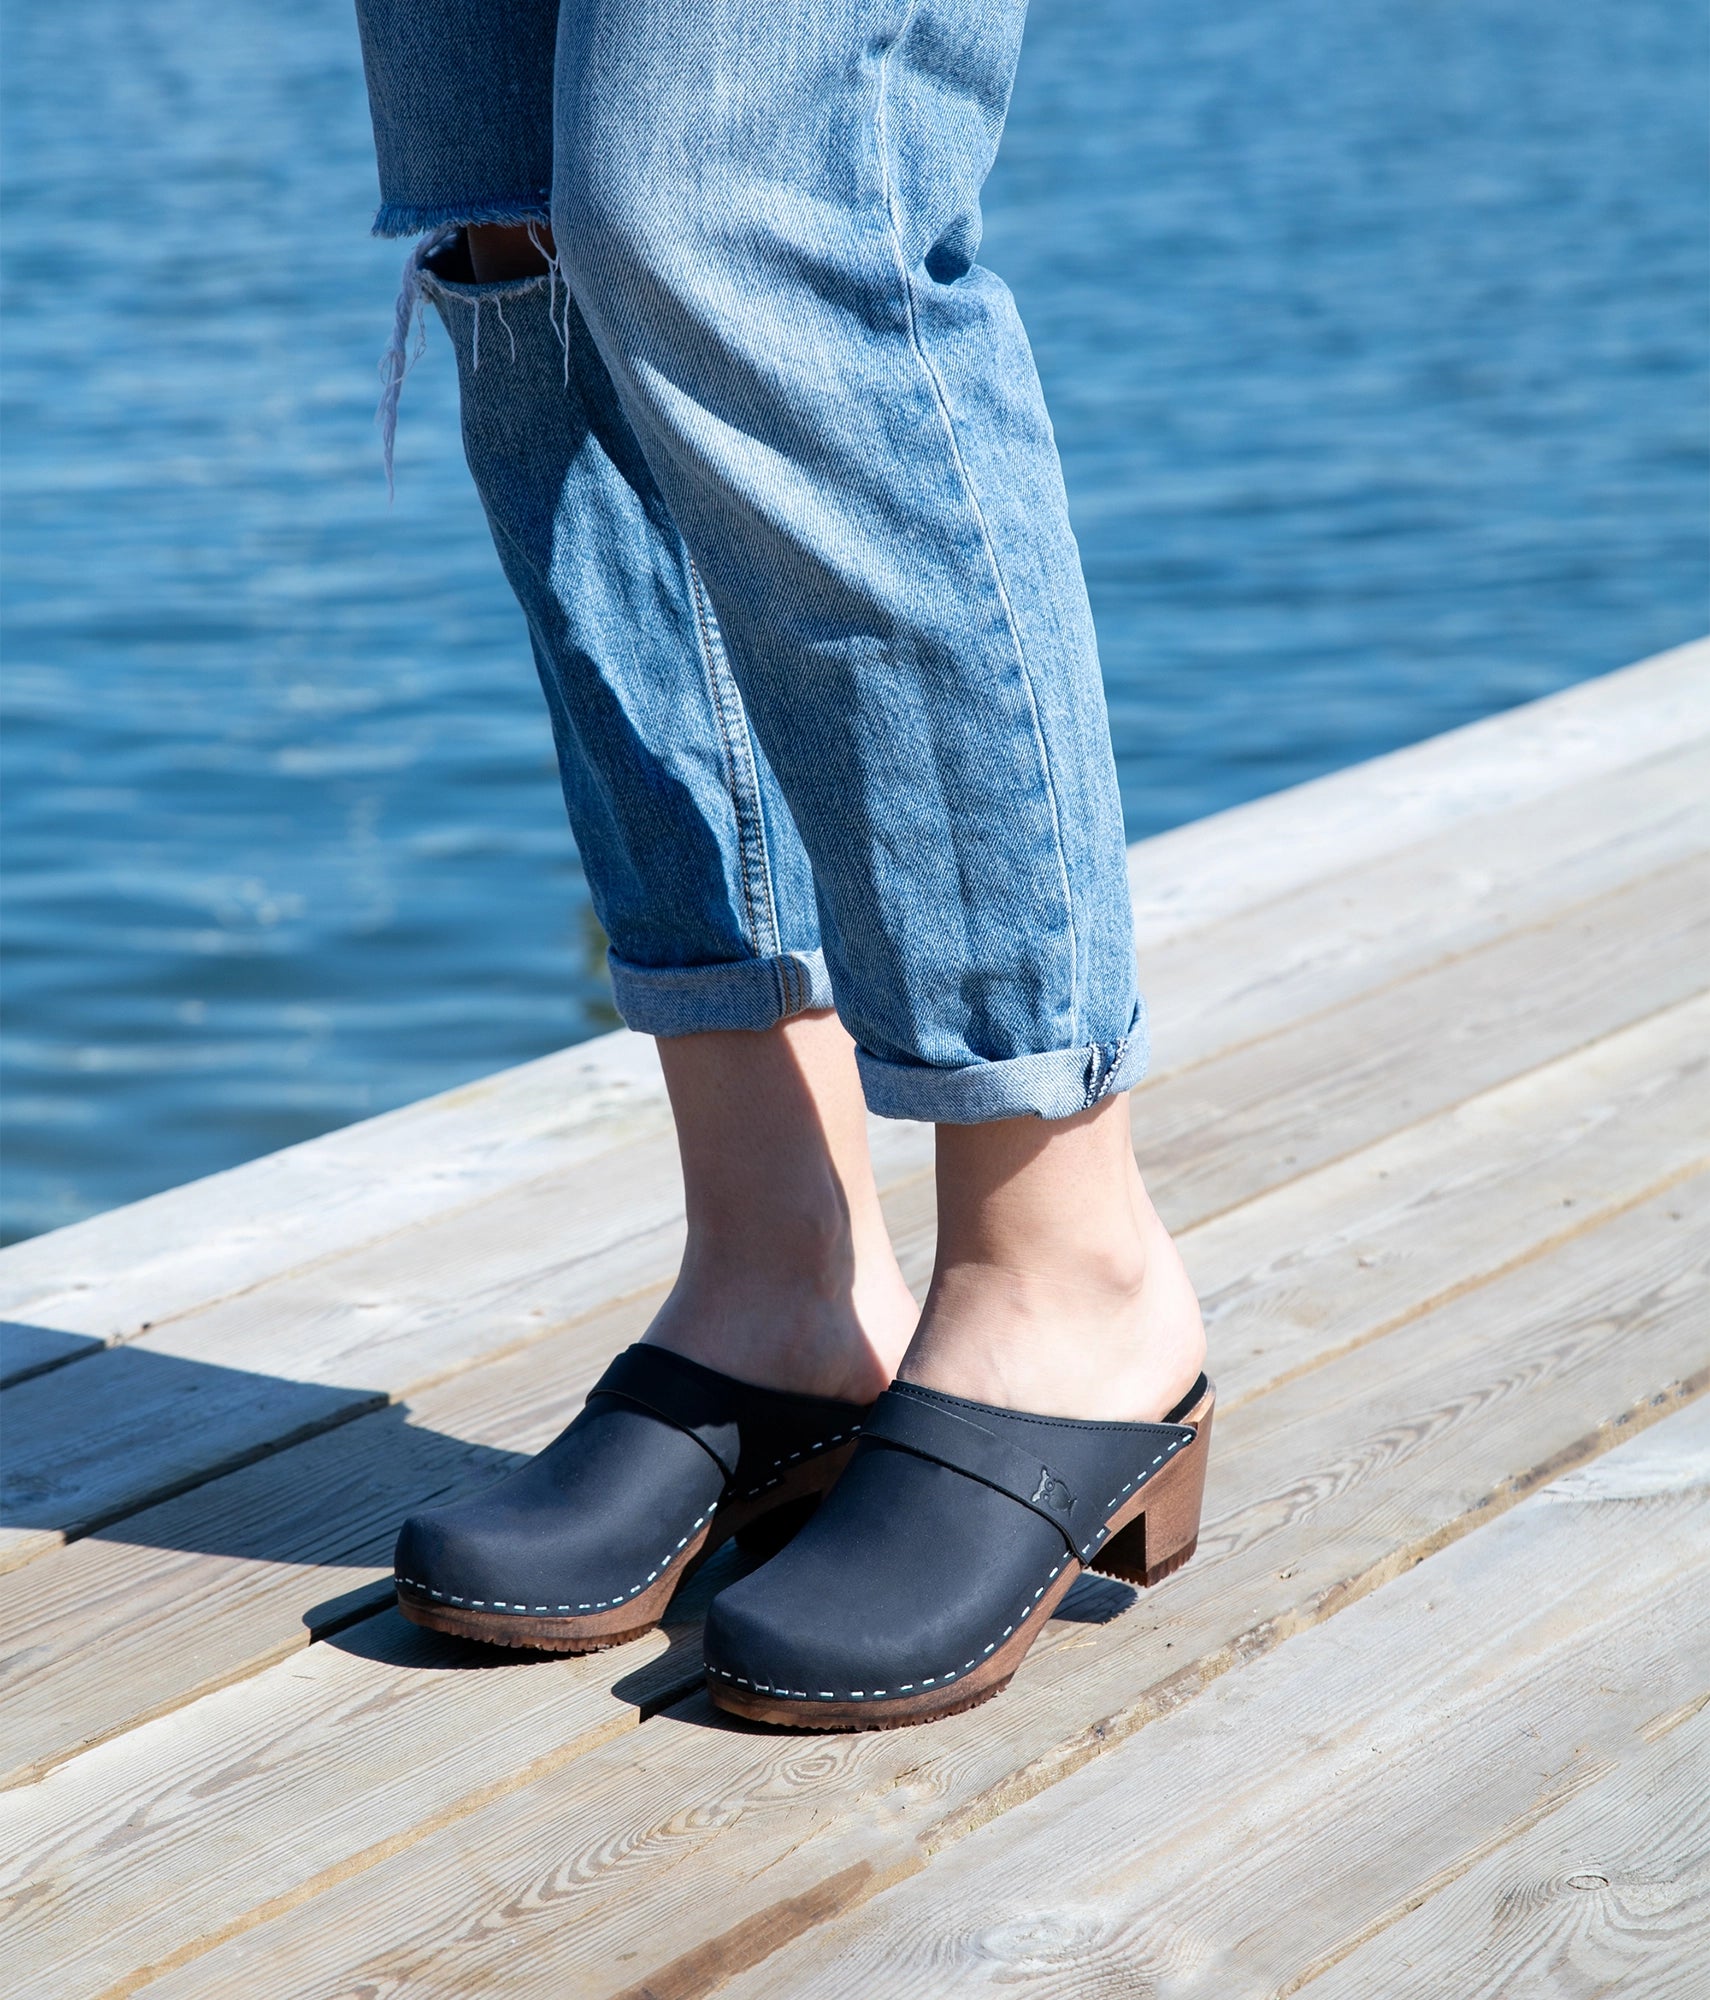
[1161, 1538]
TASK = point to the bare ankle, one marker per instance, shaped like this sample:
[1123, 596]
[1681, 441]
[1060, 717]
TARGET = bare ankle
[1057, 1288]
[761, 1328]
[500, 251]
[788, 1279]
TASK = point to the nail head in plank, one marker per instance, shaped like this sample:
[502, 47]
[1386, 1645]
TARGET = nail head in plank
[1608, 1894]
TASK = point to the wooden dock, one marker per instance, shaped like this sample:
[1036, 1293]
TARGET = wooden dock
[1428, 1716]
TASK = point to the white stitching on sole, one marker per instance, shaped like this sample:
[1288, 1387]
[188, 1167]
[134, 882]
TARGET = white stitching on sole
[808, 1451]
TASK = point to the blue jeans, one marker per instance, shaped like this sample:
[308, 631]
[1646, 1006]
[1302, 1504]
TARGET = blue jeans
[768, 467]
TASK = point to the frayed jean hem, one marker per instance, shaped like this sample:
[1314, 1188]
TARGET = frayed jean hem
[751, 993]
[402, 218]
[1054, 1085]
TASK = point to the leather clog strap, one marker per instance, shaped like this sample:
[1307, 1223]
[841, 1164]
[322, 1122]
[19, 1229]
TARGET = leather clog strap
[907, 1420]
[682, 1393]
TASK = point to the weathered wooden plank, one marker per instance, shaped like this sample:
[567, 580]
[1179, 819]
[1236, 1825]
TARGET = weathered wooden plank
[510, 1715]
[247, 1569]
[107, 1277]
[1608, 1895]
[1296, 955]
[1220, 1132]
[1326, 1488]
[1371, 1240]
[116, 1629]
[352, 1331]
[220, 1387]
[1217, 867]
[27, 1350]
[1306, 1804]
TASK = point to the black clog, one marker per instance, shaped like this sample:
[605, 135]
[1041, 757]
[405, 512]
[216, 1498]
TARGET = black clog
[918, 1586]
[585, 1545]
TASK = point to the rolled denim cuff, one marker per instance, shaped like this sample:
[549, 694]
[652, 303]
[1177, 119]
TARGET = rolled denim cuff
[1053, 1085]
[693, 999]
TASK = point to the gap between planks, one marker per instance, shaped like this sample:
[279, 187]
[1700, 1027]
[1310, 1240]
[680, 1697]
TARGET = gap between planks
[1608, 1894]
[1318, 947]
[1217, 867]
[1305, 1807]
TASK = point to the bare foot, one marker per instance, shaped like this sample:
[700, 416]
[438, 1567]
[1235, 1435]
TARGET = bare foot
[1058, 1289]
[788, 1279]
[805, 1332]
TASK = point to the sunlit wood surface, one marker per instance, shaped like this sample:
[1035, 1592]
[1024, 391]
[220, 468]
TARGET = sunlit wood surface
[1430, 1113]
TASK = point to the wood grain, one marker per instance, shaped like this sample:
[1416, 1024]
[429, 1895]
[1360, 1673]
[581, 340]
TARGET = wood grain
[133, 1424]
[1299, 954]
[110, 1276]
[1362, 1245]
[1327, 1488]
[1429, 1081]
[247, 1569]
[1609, 1895]
[1309, 1802]
[1217, 1133]
[356, 1703]
[221, 1581]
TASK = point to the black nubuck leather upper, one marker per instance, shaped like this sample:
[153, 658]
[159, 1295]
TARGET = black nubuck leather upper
[618, 1496]
[947, 1528]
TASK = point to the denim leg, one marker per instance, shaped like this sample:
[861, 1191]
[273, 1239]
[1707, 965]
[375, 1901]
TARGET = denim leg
[695, 869]
[461, 97]
[768, 211]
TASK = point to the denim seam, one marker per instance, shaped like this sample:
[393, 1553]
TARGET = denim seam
[1099, 1073]
[942, 401]
[753, 861]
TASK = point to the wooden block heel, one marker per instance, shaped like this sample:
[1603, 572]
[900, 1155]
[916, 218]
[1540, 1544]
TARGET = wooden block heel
[1164, 1533]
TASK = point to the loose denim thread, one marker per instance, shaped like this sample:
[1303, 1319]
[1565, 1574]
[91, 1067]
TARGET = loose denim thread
[395, 218]
[399, 359]
[554, 278]
[809, 485]
[1100, 1071]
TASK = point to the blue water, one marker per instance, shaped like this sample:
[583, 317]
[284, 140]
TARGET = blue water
[1375, 341]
